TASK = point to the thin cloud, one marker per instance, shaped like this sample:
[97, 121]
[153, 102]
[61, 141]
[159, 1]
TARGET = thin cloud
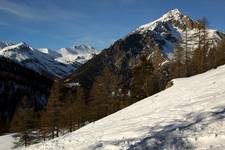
[51, 13]
[17, 10]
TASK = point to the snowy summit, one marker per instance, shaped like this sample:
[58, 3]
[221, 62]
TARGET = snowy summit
[170, 30]
[174, 14]
[80, 54]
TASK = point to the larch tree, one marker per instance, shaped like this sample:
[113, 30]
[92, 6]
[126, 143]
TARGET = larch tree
[220, 53]
[178, 59]
[54, 109]
[143, 84]
[23, 120]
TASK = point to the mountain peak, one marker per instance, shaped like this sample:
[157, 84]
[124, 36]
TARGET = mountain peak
[84, 47]
[79, 53]
[171, 15]
[22, 44]
[174, 12]
[18, 46]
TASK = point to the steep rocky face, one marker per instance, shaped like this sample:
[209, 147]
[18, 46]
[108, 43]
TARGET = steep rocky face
[17, 82]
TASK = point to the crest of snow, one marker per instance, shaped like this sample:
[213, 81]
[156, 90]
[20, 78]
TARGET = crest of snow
[189, 115]
[4, 44]
[17, 47]
[174, 14]
[50, 52]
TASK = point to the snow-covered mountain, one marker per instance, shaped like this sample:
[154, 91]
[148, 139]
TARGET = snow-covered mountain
[170, 29]
[35, 60]
[156, 41]
[188, 115]
[81, 54]
[46, 61]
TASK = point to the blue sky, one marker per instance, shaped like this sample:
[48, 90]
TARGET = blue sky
[64, 23]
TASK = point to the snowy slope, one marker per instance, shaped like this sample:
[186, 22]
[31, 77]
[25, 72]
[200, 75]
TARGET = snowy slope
[189, 115]
[7, 142]
[35, 60]
[81, 54]
[49, 52]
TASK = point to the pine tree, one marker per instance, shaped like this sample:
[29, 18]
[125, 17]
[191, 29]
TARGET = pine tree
[53, 109]
[101, 94]
[178, 59]
[23, 120]
[143, 84]
[45, 125]
[220, 54]
[186, 52]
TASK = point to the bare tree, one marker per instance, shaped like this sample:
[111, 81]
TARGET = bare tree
[178, 59]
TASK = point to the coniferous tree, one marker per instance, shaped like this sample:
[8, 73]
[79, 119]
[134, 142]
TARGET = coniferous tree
[103, 92]
[220, 54]
[54, 110]
[143, 84]
[178, 61]
[23, 120]
[199, 63]
[186, 51]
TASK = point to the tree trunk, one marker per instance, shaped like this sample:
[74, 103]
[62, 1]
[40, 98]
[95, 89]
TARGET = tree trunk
[57, 132]
[25, 140]
[53, 133]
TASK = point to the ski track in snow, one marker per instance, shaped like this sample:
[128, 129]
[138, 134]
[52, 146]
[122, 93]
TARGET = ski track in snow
[189, 115]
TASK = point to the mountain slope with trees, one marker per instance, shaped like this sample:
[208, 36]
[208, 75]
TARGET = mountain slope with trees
[142, 63]
[188, 115]
[17, 83]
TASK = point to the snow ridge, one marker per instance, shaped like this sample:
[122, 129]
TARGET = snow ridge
[174, 14]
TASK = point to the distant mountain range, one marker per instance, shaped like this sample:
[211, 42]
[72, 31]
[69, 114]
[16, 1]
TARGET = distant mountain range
[47, 62]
